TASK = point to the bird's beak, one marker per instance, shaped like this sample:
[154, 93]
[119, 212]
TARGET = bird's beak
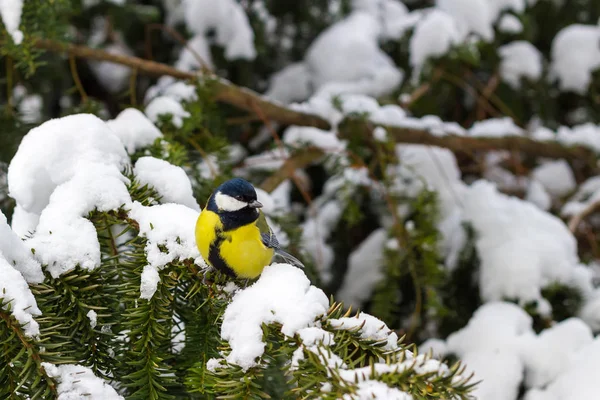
[255, 204]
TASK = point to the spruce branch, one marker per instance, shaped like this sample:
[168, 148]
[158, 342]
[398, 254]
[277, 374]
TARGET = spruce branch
[248, 100]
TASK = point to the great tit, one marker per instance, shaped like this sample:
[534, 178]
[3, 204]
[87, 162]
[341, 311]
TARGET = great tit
[233, 235]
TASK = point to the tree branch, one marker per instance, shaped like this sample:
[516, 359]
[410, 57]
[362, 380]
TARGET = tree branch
[457, 143]
[249, 100]
[225, 91]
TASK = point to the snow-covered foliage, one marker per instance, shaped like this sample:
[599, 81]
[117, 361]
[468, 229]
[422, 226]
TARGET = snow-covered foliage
[482, 249]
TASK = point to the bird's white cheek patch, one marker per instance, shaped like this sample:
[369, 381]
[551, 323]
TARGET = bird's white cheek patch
[228, 203]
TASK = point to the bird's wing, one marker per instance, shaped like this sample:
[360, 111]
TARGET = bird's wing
[269, 240]
[266, 234]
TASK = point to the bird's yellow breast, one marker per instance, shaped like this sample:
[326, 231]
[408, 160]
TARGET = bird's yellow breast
[241, 249]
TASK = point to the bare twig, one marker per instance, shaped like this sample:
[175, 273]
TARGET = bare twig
[300, 160]
[224, 91]
[466, 144]
[579, 217]
[75, 75]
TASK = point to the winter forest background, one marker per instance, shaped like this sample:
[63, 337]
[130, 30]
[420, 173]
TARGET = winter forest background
[433, 163]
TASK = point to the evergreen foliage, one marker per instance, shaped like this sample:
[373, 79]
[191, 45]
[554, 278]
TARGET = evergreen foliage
[170, 346]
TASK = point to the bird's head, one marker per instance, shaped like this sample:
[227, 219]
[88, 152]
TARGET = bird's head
[234, 195]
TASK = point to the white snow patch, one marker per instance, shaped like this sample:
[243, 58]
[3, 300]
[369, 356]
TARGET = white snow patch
[10, 11]
[170, 181]
[556, 177]
[489, 346]
[282, 294]
[372, 71]
[575, 56]
[114, 77]
[435, 34]
[53, 152]
[134, 129]
[15, 294]
[163, 105]
[169, 225]
[149, 282]
[372, 328]
[365, 265]
[578, 378]
[522, 248]
[14, 251]
[519, 59]
[77, 382]
[93, 317]
[510, 24]
[549, 354]
[229, 21]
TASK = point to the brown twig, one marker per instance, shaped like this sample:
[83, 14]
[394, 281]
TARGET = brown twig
[132, 88]
[576, 219]
[224, 91]
[76, 79]
[457, 143]
[177, 36]
[301, 159]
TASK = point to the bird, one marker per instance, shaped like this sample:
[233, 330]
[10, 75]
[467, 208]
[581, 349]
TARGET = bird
[232, 234]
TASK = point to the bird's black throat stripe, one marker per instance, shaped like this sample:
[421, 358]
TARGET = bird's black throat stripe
[215, 259]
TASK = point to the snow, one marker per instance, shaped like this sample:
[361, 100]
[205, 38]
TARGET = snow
[522, 248]
[114, 77]
[364, 270]
[372, 328]
[64, 169]
[290, 84]
[372, 71]
[64, 238]
[10, 11]
[93, 317]
[134, 129]
[170, 181]
[548, 355]
[296, 136]
[489, 345]
[434, 36]
[15, 253]
[76, 382]
[149, 282]
[519, 60]
[282, 294]
[556, 177]
[578, 378]
[368, 390]
[16, 296]
[495, 127]
[195, 55]
[52, 153]
[163, 105]
[229, 21]
[590, 312]
[587, 193]
[169, 225]
[510, 24]
[537, 194]
[23, 223]
[315, 232]
[471, 16]
[575, 56]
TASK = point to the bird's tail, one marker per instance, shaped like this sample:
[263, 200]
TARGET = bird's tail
[289, 258]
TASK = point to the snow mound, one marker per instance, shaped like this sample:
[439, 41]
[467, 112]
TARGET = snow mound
[76, 382]
[170, 181]
[282, 294]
